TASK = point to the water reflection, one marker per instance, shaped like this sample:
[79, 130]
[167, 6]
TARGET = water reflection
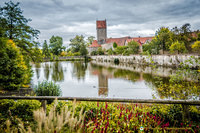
[105, 73]
[46, 71]
[103, 85]
[57, 72]
[79, 69]
[164, 89]
[94, 80]
[37, 66]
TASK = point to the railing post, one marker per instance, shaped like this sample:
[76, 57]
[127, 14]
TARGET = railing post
[186, 115]
[44, 103]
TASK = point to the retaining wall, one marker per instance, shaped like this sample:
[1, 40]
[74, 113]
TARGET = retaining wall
[162, 60]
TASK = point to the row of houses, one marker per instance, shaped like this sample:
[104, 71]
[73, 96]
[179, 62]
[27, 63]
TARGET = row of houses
[107, 43]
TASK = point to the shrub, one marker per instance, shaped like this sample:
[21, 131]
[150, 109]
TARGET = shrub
[65, 121]
[110, 51]
[100, 51]
[63, 53]
[121, 49]
[133, 47]
[69, 53]
[178, 46]
[114, 45]
[23, 109]
[94, 53]
[76, 54]
[196, 46]
[151, 47]
[14, 71]
[116, 61]
[47, 89]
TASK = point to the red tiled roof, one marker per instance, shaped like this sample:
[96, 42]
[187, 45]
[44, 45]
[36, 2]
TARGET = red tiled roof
[101, 24]
[119, 41]
[140, 40]
[95, 44]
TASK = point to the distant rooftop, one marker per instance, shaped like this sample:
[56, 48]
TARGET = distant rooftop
[101, 24]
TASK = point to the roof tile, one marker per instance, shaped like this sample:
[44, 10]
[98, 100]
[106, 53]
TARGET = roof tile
[101, 24]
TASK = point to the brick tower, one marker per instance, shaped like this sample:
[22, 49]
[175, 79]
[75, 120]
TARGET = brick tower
[101, 31]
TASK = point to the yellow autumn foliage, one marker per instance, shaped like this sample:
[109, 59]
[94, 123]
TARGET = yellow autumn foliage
[16, 74]
[196, 46]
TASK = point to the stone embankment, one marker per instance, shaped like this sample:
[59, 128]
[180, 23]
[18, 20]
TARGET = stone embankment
[160, 60]
[68, 58]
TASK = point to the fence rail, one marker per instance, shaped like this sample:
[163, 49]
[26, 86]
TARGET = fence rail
[156, 101]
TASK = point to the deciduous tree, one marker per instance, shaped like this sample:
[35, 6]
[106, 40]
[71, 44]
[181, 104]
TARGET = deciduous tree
[15, 26]
[90, 39]
[133, 47]
[76, 43]
[56, 45]
[45, 49]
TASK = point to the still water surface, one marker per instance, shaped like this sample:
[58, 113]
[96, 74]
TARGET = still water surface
[80, 79]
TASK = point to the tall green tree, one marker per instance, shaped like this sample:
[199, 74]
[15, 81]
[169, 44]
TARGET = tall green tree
[76, 43]
[183, 34]
[163, 36]
[133, 47]
[90, 39]
[15, 26]
[13, 71]
[56, 45]
[45, 49]
[83, 51]
[152, 47]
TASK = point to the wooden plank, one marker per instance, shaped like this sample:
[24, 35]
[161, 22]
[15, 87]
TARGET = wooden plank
[157, 101]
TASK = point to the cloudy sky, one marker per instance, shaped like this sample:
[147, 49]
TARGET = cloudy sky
[67, 18]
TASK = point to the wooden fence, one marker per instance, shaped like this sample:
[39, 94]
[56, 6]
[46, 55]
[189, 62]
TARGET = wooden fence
[125, 100]
[44, 99]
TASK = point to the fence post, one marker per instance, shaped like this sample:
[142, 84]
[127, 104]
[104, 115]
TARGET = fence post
[186, 115]
[44, 103]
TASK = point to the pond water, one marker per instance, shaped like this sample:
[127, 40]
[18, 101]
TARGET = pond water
[80, 79]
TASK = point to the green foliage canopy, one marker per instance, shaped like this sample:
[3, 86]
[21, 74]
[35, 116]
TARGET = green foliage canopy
[45, 49]
[15, 26]
[178, 46]
[163, 35]
[196, 46]
[56, 45]
[90, 39]
[76, 43]
[133, 47]
[100, 51]
[152, 47]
